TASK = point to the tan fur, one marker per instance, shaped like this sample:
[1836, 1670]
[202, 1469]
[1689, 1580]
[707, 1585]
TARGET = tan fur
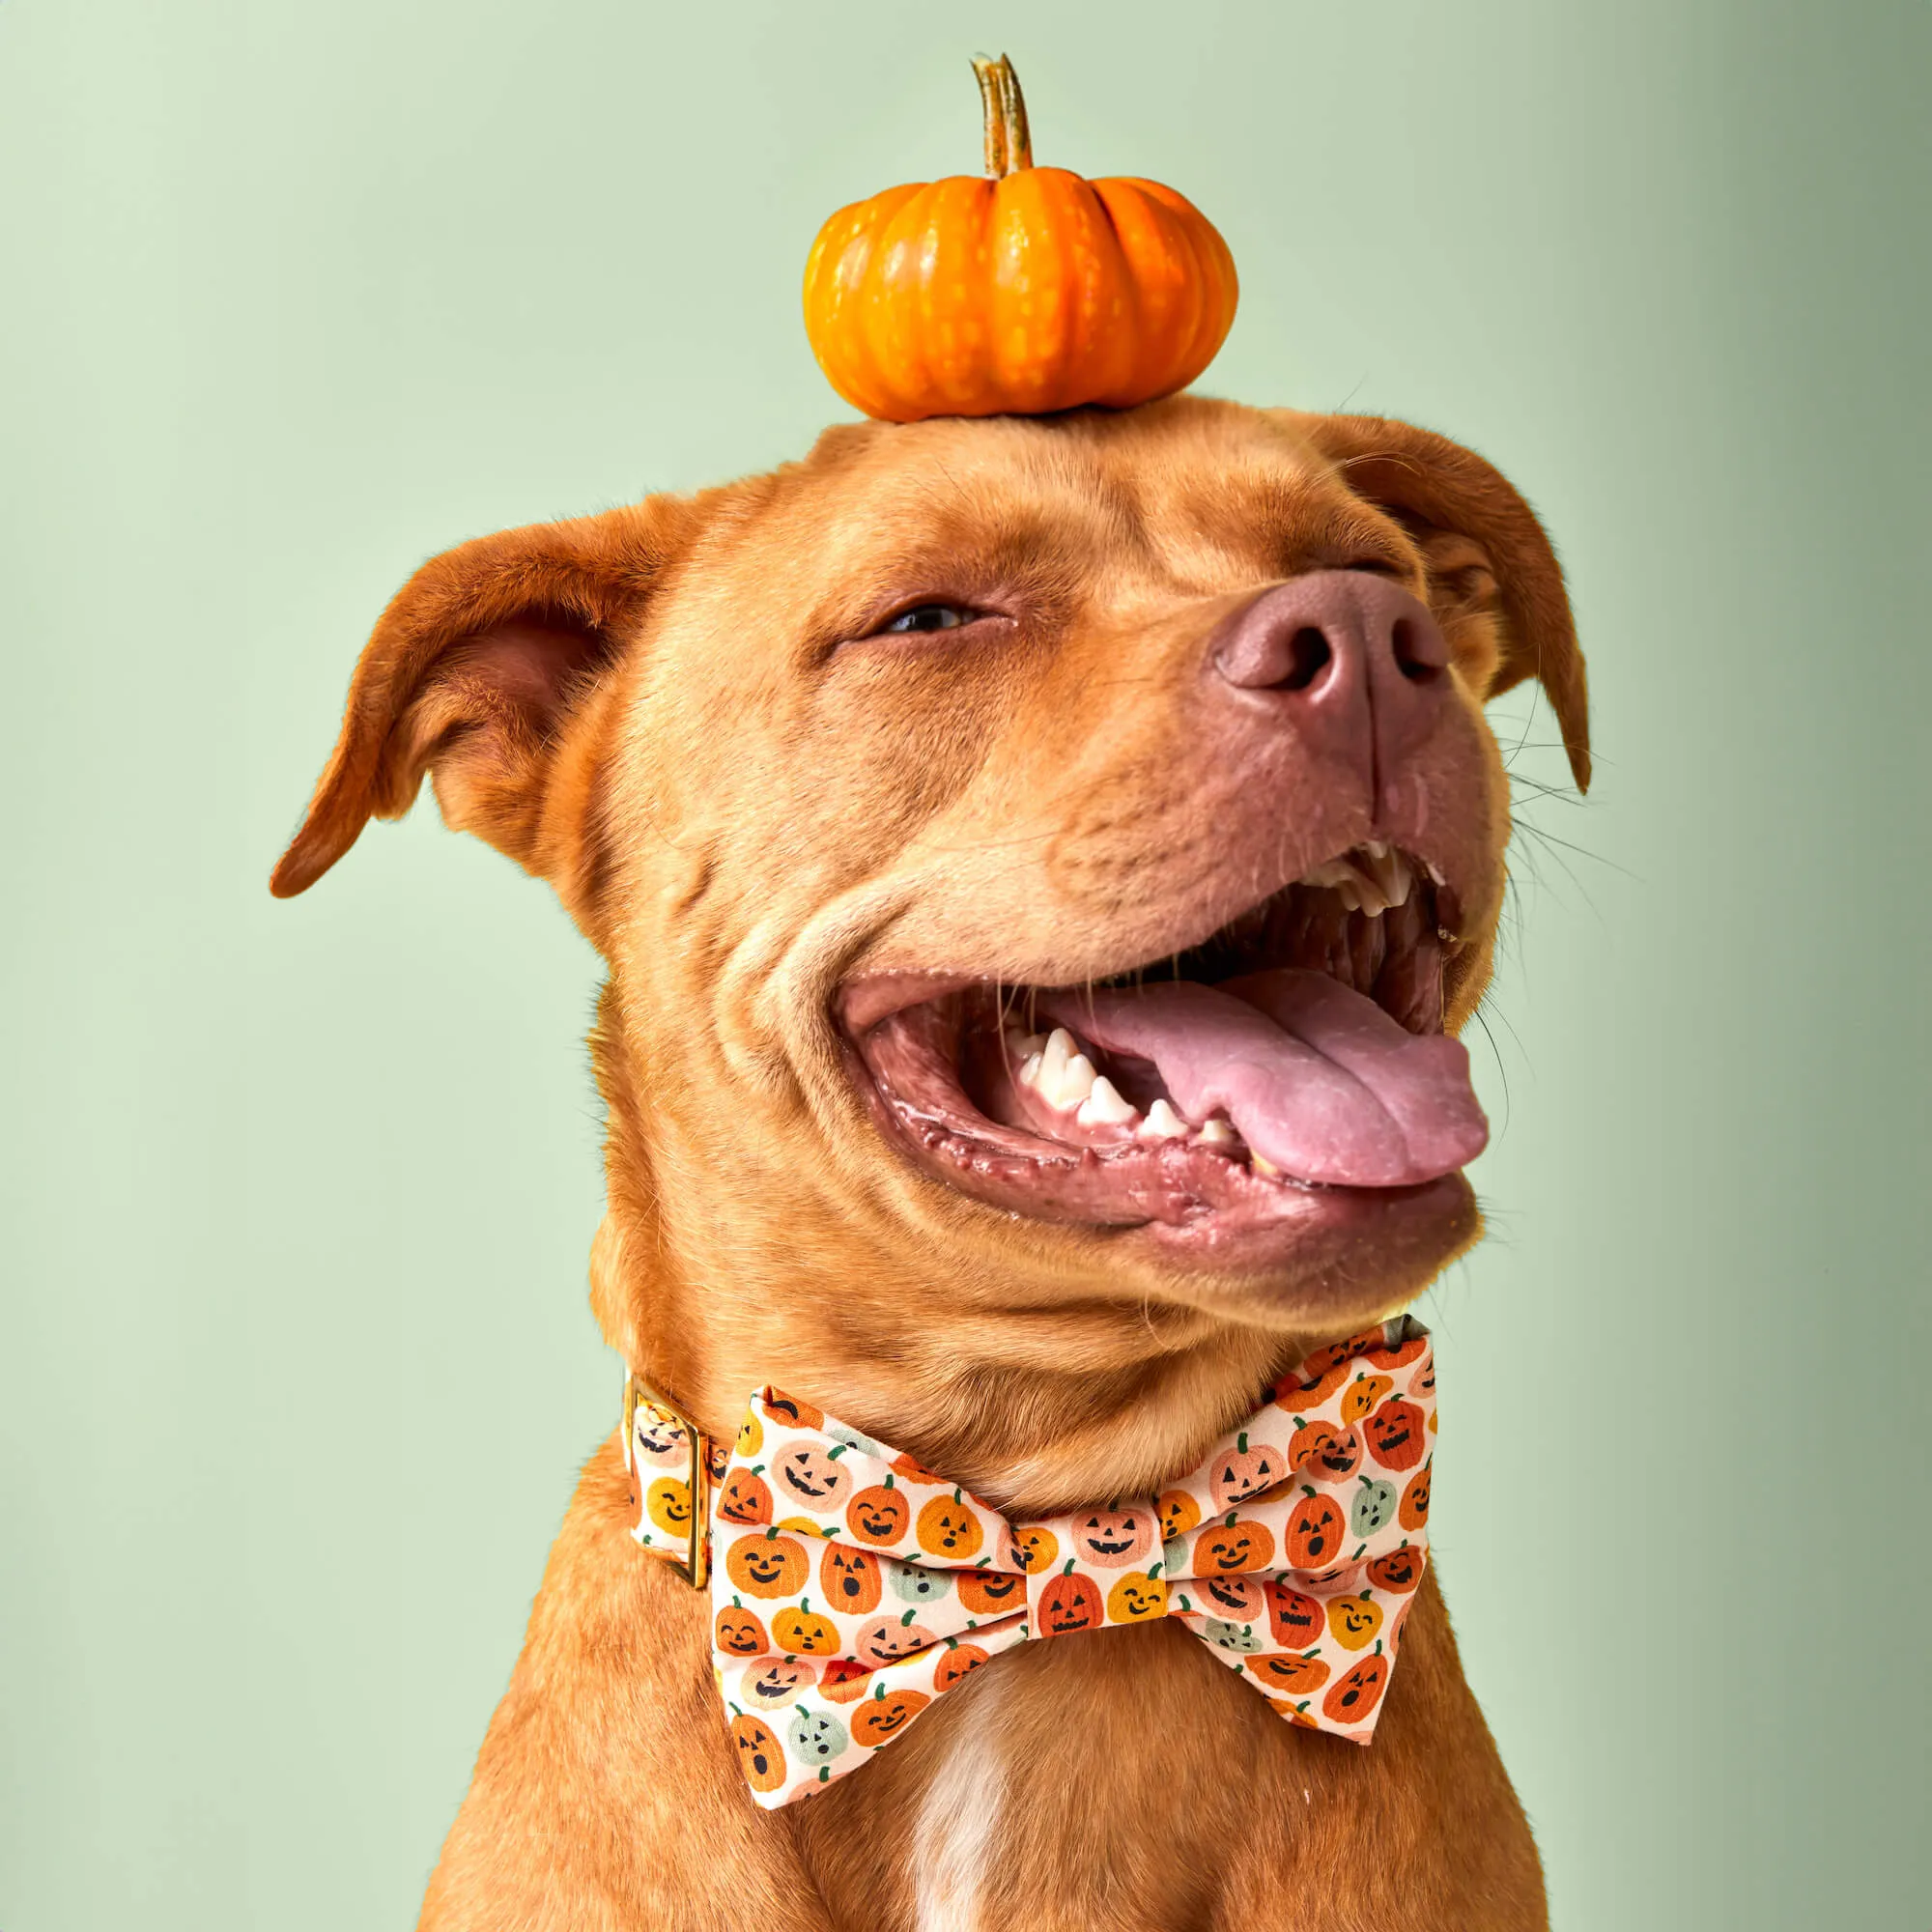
[652, 710]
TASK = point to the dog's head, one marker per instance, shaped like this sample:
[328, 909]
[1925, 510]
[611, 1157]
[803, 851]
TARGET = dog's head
[1042, 863]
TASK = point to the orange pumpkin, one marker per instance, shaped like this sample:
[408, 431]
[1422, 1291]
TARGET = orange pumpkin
[878, 1516]
[1413, 1512]
[1247, 1471]
[959, 1661]
[759, 1755]
[1035, 1546]
[1357, 1691]
[946, 1527]
[844, 1680]
[1070, 1602]
[1286, 1672]
[1327, 1447]
[1238, 1544]
[1400, 1571]
[1114, 1538]
[801, 1631]
[992, 1593]
[737, 1629]
[887, 1714]
[1296, 1619]
[1314, 1530]
[1179, 1514]
[1028, 291]
[1364, 1392]
[1396, 1434]
[849, 1578]
[746, 1498]
[770, 1565]
[1354, 1621]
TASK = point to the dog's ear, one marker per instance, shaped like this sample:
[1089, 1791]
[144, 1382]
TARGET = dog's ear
[1490, 559]
[478, 671]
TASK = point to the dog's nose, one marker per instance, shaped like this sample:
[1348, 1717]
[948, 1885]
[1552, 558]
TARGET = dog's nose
[1354, 662]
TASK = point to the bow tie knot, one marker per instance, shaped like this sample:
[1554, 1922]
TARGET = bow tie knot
[853, 1587]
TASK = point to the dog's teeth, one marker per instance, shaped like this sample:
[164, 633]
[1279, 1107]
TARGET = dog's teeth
[1029, 1074]
[1054, 1056]
[1162, 1124]
[1262, 1166]
[1376, 849]
[1025, 1046]
[1105, 1106]
[1076, 1082]
[1217, 1132]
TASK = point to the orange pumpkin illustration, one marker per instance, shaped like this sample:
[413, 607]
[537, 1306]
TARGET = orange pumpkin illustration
[1031, 290]
[1413, 1511]
[1316, 1527]
[1354, 1621]
[746, 1498]
[801, 1631]
[770, 1565]
[1305, 1389]
[1114, 1538]
[891, 1639]
[946, 1527]
[1246, 1471]
[1135, 1597]
[1290, 1675]
[1399, 1569]
[1330, 1449]
[760, 1758]
[1178, 1513]
[1357, 1691]
[778, 1680]
[1034, 1547]
[810, 1475]
[737, 1629]
[1337, 1356]
[1396, 1434]
[907, 1465]
[886, 1715]
[657, 1439]
[879, 1514]
[1236, 1597]
[788, 1408]
[1070, 1602]
[668, 1501]
[1298, 1620]
[1239, 1544]
[850, 1579]
[1399, 1357]
[959, 1661]
[1362, 1395]
[992, 1593]
[843, 1679]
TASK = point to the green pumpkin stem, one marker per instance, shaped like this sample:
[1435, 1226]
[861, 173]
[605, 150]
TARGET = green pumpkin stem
[1008, 139]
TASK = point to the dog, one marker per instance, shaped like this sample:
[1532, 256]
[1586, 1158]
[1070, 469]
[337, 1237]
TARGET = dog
[862, 774]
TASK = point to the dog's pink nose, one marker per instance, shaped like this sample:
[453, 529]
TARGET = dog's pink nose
[1354, 662]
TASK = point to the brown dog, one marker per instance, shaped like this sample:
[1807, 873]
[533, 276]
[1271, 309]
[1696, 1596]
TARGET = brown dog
[831, 764]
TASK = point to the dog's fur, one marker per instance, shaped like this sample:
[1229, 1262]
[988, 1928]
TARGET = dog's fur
[656, 710]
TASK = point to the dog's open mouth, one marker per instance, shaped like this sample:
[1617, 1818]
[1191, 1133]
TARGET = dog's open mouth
[1299, 1048]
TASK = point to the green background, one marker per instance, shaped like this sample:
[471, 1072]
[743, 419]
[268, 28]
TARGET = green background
[295, 1361]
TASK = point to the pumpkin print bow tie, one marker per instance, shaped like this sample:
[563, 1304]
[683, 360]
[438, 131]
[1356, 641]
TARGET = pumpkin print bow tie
[852, 1586]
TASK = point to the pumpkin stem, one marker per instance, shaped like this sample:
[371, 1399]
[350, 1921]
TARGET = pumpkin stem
[1009, 142]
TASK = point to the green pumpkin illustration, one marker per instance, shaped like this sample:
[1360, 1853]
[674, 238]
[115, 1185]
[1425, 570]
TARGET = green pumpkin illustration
[817, 1735]
[913, 1584]
[1374, 1506]
[1241, 1638]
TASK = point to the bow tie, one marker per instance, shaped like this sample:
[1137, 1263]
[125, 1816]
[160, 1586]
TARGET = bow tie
[852, 1587]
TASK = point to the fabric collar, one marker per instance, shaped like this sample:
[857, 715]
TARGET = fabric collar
[853, 1587]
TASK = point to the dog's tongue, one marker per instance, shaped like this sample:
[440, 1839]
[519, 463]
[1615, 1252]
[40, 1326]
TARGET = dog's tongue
[1317, 1078]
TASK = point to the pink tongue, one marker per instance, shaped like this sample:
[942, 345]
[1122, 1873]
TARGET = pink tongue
[1317, 1078]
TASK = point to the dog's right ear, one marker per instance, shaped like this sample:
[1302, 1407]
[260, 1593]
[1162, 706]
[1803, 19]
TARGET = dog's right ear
[477, 672]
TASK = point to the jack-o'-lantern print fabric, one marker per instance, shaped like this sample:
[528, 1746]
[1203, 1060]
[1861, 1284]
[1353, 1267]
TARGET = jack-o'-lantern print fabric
[850, 1587]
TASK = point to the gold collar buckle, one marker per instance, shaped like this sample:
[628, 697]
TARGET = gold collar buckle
[695, 1566]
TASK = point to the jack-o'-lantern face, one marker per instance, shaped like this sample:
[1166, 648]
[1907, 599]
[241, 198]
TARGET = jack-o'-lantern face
[1362, 1394]
[771, 1565]
[1354, 1621]
[1243, 1640]
[1357, 1691]
[1235, 1596]
[1414, 1509]
[1316, 1528]
[759, 1757]
[844, 1680]
[1329, 1449]
[738, 1631]
[1374, 1505]
[887, 1714]
[1114, 1538]
[958, 1662]
[810, 1475]
[657, 1439]
[788, 1408]
[1246, 1471]
[1135, 1597]
[1339, 1354]
[1296, 1620]
[849, 1578]
[1036, 1548]
[946, 1527]
[1070, 1602]
[751, 1437]
[768, 1685]
[1396, 1434]
[801, 1631]
[746, 1498]
[992, 1593]
[1307, 1389]
[1400, 1569]
[909, 1466]
[915, 1583]
[1242, 1543]
[891, 1639]
[667, 1503]
[879, 1514]
[1287, 1675]
[815, 1737]
[1178, 1513]
[1399, 1357]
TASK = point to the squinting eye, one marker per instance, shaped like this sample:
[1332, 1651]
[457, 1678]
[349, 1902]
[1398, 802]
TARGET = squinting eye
[926, 617]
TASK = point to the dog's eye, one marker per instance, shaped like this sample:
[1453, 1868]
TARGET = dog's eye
[924, 617]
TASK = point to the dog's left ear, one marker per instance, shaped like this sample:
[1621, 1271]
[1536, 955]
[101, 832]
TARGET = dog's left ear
[477, 672]
[1489, 557]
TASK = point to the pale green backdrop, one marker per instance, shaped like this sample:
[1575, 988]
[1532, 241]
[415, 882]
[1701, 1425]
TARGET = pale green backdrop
[294, 1362]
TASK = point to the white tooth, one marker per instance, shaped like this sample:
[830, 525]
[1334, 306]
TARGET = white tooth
[1262, 1166]
[1376, 849]
[1217, 1132]
[1400, 881]
[1105, 1106]
[1024, 1045]
[1076, 1082]
[1054, 1056]
[1348, 892]
[1330, 873]
[1028, 1075]
[1162, 1124]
